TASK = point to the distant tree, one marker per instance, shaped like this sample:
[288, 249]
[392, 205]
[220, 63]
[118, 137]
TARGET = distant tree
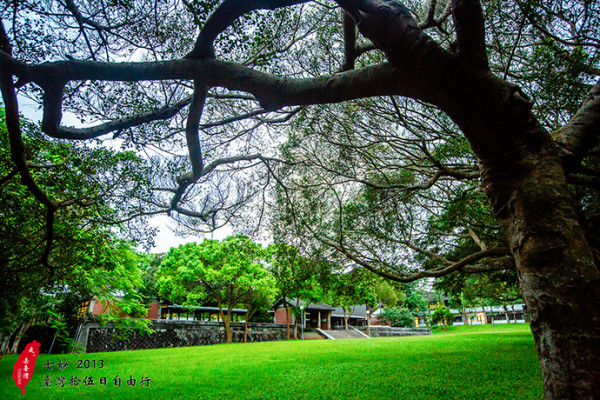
[442, 315]
[350, 289]
[152, 262]
[494, 289]
[387, 294]
[397, 317]
[259, 296]
[228, 273]
[417, 303]
[297, 278]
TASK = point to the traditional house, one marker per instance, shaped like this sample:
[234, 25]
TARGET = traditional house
[314, 315]
[320, 315]
[204, 313]
[358, 316]
[165, 310]
[490, 315]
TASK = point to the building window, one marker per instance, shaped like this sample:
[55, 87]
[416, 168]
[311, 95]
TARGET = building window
[83, 309]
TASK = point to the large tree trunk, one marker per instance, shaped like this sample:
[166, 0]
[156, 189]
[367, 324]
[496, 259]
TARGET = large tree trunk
[228, 335]
[295, 329]
[558, 277]
[10, 343]
[524, 180]
[506, 314]
[287, 322]
[226, 323]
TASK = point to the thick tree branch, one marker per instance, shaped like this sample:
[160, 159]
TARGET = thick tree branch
[224, 16]
[273, 92]
[391, 27]
[349, 41]
[193, 126]
[476, 239]
[434, 273]
[470, 32]
[576, 138]
[117, 125]
[364, 47]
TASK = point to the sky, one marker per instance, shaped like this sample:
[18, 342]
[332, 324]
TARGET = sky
[166, 237]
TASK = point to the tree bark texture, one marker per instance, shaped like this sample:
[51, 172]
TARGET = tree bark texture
[524, 180]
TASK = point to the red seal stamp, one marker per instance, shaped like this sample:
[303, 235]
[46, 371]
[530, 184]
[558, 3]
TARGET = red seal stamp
[25, 365]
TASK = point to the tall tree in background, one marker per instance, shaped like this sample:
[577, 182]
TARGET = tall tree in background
[88, 258]
[227, 273]
[350, 289]
[297, 279]
[515, 82]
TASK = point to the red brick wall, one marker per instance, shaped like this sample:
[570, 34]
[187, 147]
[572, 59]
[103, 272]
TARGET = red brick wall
[153, 310]
[280, 316]
[101, 307]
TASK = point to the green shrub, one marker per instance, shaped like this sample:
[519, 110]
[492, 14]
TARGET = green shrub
[398, 317]
[442, 315]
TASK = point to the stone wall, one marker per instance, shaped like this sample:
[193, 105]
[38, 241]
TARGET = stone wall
[174, 334]
[386, 331]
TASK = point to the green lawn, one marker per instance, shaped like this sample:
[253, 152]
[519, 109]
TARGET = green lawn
[462, 363]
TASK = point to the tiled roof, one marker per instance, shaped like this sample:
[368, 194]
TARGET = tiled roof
[359, 311]
[316, 306]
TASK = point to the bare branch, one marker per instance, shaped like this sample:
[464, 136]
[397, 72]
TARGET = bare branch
[431, 21]
[592, 182]
[476, 239]
[434, 273]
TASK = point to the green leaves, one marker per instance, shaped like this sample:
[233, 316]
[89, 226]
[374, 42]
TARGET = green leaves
[228, 273]
[87, 257]
[397, 316]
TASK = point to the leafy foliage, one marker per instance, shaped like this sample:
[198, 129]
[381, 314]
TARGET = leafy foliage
[88, 259]
[442, 315]
[227, 273]
[397, 316]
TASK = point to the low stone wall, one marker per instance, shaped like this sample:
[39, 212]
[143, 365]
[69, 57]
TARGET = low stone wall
[388, 331]
[174, 334]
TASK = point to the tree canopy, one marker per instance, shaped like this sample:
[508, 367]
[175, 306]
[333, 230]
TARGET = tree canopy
[227, 273]
[87, 259]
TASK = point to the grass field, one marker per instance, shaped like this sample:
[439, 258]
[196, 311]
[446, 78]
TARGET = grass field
[487, 362]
